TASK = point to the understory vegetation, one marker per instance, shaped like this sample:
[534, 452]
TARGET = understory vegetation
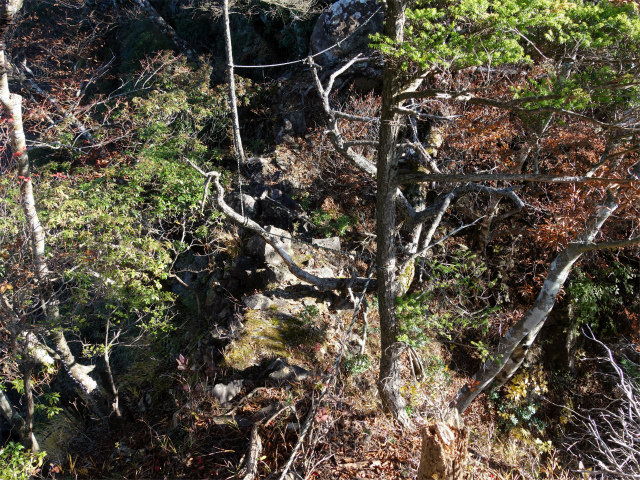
[151, 284]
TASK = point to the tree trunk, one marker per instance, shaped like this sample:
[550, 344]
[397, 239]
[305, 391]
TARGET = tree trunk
[29, 438]
[79, 372]
[444, 450]
[510, 353]
[387, 169]
[233, 102]
[12, 104]
[12, 417]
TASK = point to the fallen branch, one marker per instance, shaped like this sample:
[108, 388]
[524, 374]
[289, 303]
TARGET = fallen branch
[323, 283]
[255, 449]
[418, 177]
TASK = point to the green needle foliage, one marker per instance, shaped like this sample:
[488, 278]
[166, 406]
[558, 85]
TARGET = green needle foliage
[455, 299]
[603, 37]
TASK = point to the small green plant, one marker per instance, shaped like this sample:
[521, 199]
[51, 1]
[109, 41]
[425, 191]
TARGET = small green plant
[309, 314]
[521, 400]
[18, 464]
[357, 364]
[455, 298]
[597, 298]
[49, 404]
[329, 224]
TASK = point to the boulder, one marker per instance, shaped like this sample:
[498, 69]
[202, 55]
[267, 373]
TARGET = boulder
[279, 216]
[225, 393]
[282, 372]
[294, 124]
[261, 250]
[242, 275]
[277, 275]
[332, 242]
[238, 202]
[263, 191]
[192, 269]
[339, 21]
[257, 302]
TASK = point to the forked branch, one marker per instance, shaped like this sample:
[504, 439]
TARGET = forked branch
[322, 283]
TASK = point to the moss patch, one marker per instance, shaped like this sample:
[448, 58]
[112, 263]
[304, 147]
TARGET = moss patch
[269, 334]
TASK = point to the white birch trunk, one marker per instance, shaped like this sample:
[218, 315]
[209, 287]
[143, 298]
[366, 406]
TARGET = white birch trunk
[510, 352]
[233, 101]
[12, 104]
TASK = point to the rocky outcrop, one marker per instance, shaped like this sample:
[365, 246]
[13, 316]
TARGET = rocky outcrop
[261, 250]
[338, 22]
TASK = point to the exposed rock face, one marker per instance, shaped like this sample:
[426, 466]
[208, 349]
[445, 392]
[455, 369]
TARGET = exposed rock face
[332, 242]
[278, 209]
[294, 124]
[244, 202]
[282, 372]
[341, 19]
[264, 252]
[242, 275]
[225, 393]
[257, 302]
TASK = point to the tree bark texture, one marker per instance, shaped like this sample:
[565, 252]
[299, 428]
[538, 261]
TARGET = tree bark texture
[387, 170]
[511, 351]
[444, 452]
[79, 372]
[253, 455]
[29, 438]
[233, 101]
[12, 417]
[12, 103]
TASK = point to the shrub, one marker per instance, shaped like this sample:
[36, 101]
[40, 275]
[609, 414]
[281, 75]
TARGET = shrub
[18, 464]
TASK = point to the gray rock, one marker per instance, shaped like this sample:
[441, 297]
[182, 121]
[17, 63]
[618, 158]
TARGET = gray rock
[337, 22]
[257, 169]
[291, 186]
[257, 302]
[263, 191]
[284, 159]
[225, 393]
[242, 276]
[264, 252]
[332, 242]
[294, 124]
[192, 269]
[282, 372]
[278, 274]
[238, 202]
[274, 213]
[326, 272]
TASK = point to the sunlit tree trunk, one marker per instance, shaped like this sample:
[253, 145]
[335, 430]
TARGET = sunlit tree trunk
[387, 165]
[12, 104]
[510, 353]
[233, 101]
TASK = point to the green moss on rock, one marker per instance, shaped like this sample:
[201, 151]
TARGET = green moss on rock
[268, 334]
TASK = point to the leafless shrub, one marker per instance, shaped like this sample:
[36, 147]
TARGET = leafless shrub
[607, 439]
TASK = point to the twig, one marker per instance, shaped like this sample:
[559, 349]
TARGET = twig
[247, 397]
[255, 449]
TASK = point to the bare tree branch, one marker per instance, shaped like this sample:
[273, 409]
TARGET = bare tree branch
[321, 282]
[609, 438]
[418, 177]
[588, 247]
